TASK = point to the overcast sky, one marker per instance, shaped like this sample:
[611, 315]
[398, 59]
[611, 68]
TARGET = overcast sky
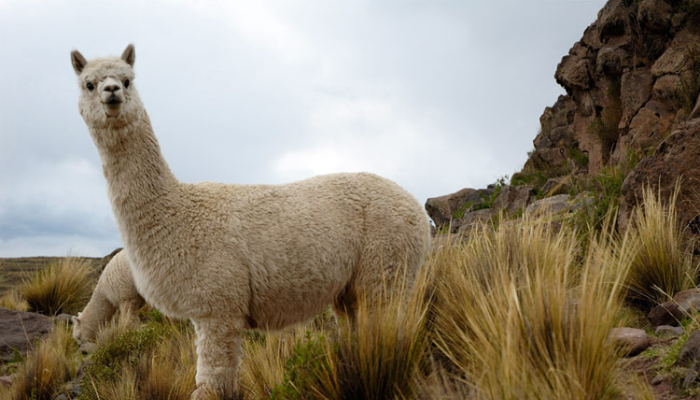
[435, 95]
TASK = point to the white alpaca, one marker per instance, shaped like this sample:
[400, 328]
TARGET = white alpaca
[231, 257]
[114, 291]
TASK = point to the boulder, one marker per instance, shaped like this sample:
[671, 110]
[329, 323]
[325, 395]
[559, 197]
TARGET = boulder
[442, 209]
[19, 330]
[635, 90]
[655, 15]
[572, 73]
[631, 341]
[667, 313]
[613, 20]
[675, 160]
[666, 88]
[668, 331]
[554, 205]
[470, 219]
[513, 199]
[690, 352]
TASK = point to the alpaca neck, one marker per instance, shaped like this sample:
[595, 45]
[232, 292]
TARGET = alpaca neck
[138, 178]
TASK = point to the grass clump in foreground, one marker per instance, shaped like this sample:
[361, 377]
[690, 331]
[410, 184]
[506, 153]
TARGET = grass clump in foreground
[519, 310]
[47, 369]
[64, 287]
[522, 315]
[660, 266]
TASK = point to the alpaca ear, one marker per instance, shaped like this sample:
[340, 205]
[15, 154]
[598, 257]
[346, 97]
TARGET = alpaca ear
[78, 61]
[75, 320]
[129, 55]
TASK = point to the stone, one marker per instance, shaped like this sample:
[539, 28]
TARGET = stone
[631, 341]
[442, 209]
[666, 313]
[660, 378]
[474, 218]
[675, 59]
[5, 381]
[572, 73]
[63, 318]
[635, 90]
[513, 199]
[690, 377]
[675, 160]
[666, 88]
[19, 330]
[613, 57]
[696, 110]
[554, 186]
[553, 205]
[688, 300]
[690, 352]
[668, 331]
[650, 126]
[613, 20]
[655, 15]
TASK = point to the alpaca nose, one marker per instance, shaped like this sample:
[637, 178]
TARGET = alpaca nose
[111, 87]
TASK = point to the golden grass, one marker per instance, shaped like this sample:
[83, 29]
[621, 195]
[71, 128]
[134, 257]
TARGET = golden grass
[64, 287]
[521, 310]
[47, 368]
[13, 300]
[521, 315]
[660, 268]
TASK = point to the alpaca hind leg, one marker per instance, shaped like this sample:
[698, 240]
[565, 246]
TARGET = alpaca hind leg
[219, 349]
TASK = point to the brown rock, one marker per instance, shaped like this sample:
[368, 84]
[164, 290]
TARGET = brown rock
[690, 352]
[613, 57]
[688, 300]
[470, 219]
[572, 73]
[655, 15]
[666, 88]
[676, 159]
[554, 205]
[650, 126]
[513, 199]
[675, 59]
[613, 20]
[635, 91]
[441, 209]
[18, 330]
[631, 341]
[667, 313]
[5, 381]
[668, 331]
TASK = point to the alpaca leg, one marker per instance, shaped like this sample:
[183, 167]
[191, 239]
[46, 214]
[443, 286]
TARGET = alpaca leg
[219, 348]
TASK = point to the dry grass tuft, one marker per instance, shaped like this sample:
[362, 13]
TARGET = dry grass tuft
[660, 267]
[64, 287]
[47, 368]
[521, 314]
[13, 300]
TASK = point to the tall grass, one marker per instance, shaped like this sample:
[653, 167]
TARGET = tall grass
[47, 369]
[64, 287]
[660, 266]
[522, 315]
[376, 356]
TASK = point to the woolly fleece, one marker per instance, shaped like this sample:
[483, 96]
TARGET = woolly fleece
[115, 290]
[232, 257]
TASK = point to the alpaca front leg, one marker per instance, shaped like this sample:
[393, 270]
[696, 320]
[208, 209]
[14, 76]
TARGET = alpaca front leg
[219, 348]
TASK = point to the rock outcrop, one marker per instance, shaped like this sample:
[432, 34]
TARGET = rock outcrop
[632, 93]
[19, 330]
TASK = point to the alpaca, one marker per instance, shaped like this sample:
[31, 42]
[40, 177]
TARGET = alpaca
[232, 257]
[115, 290]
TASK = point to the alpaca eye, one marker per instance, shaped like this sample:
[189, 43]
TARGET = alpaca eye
[126, 83]
[90, 86]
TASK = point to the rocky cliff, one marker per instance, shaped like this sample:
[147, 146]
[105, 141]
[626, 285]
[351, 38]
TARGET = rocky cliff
[632, 101]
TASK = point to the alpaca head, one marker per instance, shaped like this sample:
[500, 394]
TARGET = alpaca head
[108, 98]
[77, 332]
